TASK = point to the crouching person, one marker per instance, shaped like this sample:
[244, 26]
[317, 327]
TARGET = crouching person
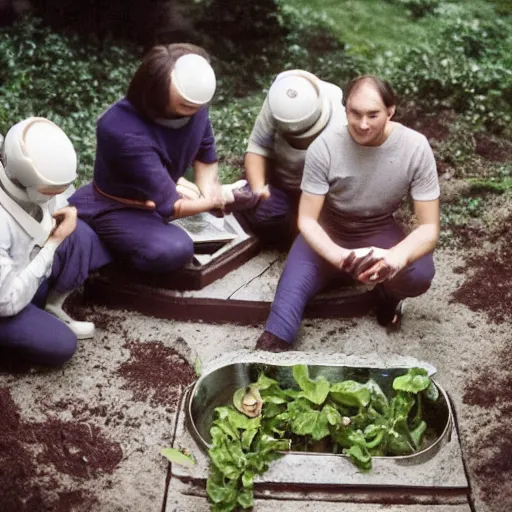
[298, 108]
[45, 252]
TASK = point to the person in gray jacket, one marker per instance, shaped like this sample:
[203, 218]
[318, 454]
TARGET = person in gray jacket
[298, 107]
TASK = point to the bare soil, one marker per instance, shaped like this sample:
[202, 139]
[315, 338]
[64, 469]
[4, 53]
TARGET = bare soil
[155, 373]
[76, 449]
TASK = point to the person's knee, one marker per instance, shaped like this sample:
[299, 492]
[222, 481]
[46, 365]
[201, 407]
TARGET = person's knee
[165, 255]
[57, 349]
[415, 282]
[64, 349]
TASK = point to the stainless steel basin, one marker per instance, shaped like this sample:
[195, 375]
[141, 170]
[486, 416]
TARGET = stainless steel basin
[216, 388]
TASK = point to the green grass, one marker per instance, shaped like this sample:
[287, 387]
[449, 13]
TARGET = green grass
[369, 26]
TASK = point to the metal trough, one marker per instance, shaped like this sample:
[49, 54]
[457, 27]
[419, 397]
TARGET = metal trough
[434, 476]
[216, 388]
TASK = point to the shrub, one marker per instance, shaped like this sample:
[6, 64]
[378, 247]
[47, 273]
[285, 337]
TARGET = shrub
[62, 78]
[418, 8]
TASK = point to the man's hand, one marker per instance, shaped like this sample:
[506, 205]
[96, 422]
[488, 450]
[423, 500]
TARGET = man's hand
[262, 192]
[228, 191]
[392, 261]
[216, 197]
[66, 219]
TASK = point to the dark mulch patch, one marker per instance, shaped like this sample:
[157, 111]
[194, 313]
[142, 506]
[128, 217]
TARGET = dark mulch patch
[493, 453]
[76, 449]
[489, 287]
[467, 236]
[78, 309]
[433, 126]
[493, 148]
[155, 373]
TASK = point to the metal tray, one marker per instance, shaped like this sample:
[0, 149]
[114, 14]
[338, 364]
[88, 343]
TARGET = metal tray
[216, 388]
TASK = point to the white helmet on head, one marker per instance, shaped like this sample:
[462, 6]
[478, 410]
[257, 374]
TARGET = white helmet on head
[36, 153]
[297, 104]
[194, 79]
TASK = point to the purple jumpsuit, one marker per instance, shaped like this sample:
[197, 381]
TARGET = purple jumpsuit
[138, 159]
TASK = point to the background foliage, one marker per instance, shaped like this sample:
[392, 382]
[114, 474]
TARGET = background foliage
[442, 57]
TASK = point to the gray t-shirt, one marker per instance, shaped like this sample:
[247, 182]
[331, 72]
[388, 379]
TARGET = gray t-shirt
[266, 141]
[364, 185]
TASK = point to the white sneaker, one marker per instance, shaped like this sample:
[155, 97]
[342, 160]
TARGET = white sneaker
[82, 330]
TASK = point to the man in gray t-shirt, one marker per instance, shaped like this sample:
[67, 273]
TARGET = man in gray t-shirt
[298, 107]
[355, 178]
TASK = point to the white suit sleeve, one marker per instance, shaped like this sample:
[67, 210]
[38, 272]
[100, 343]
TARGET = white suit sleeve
[18, 287]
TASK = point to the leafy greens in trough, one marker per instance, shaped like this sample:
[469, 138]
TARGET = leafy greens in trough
[347, 417]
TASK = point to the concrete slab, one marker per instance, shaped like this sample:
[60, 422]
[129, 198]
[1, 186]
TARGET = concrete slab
[179, 500]
[438, 479]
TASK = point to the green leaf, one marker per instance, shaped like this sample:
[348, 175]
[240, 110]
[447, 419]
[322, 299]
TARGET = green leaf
[248, 479]
[238, 397]
[247, 438]
[313, 423]
[228, 429]
[332, 414]
[246, 499]
[271, 410]
[360, 456]
[378, 398]
[414, 381]
[314, 390]
[264, 382]
[220, 490]
[417, 434]
[236, 419]
[432, 392]
[350, 393]
[198, 367]
[178, 457]
[268, 443]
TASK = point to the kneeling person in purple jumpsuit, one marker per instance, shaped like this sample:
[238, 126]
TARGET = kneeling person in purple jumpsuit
[45, 253]
[355, 178]
[145, 144]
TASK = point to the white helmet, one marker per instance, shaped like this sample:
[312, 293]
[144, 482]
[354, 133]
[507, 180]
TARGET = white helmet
[36, 153]
[194, 79]
[297, 104]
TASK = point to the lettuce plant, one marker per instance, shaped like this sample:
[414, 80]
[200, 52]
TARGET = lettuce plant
[348, 417]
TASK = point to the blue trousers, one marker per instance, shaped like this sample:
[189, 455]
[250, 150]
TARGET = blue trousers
[143, 240]
[33, 333]
[306, 273]
[275, 217]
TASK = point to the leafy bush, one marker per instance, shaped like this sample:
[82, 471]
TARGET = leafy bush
[418, 8]
[238, 29]
[467, 68]
[62, 78]
[232, 124]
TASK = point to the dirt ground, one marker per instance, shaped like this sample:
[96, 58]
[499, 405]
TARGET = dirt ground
[87, 437]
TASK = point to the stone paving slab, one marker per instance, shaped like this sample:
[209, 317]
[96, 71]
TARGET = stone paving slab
[179, 499]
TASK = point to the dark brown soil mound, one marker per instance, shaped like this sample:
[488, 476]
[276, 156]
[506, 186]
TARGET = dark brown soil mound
[155, 373]
[31, 452]
[493, 148]
[493, 452]
[489, 287]
[433, 126]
